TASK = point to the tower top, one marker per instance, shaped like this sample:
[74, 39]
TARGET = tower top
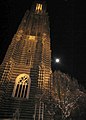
[39, 6]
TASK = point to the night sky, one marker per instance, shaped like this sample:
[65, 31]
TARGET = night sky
[67, 27]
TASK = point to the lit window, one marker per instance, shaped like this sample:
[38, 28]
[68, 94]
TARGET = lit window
[31, 37]
[38, 7]
[22, 86]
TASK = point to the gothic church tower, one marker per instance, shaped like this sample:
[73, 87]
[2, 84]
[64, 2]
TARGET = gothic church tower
[26, 68]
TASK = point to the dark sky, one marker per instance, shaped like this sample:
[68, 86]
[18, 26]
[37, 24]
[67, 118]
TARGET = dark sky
[67, 27]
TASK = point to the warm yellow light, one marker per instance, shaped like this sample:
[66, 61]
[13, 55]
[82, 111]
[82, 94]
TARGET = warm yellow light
[38, 7]
[22, 76]
[31, 37]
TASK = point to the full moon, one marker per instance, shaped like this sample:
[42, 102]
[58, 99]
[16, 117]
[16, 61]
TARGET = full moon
[57, 60]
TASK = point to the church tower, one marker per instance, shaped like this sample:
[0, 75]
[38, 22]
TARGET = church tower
[26, 68]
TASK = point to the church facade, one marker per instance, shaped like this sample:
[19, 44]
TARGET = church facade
[26, 69]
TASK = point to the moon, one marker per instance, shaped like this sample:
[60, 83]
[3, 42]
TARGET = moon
[57, 60]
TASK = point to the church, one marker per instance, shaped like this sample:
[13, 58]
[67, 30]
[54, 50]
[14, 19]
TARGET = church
[26, 69]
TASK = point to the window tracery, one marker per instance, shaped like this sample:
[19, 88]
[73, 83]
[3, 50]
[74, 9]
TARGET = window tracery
[22, 86]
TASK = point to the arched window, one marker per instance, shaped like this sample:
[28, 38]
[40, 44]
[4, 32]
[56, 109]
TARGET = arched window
[22, 86]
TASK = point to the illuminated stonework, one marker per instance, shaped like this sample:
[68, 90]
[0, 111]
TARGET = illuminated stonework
[26, 68]
[32, 37]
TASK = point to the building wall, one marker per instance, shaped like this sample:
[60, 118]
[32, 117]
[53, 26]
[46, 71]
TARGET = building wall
[29, 53]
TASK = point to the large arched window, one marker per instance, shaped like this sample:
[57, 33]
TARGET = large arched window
[22, 86]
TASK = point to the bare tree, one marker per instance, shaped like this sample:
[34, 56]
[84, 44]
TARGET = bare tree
[66, 93]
